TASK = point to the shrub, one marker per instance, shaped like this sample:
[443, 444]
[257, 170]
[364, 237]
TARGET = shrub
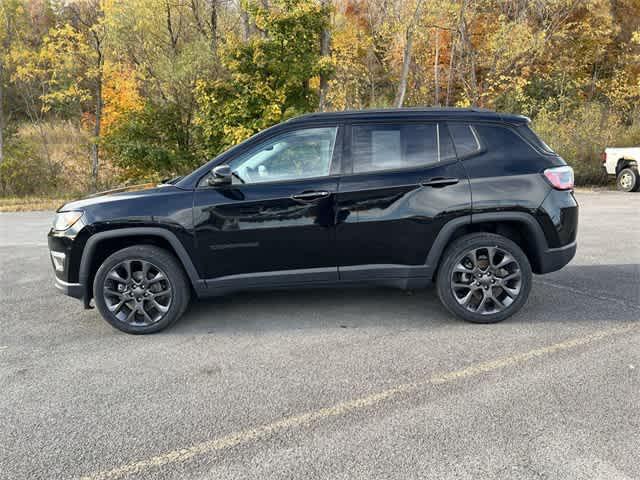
[23, 171]
[581, 134]
[151, 144]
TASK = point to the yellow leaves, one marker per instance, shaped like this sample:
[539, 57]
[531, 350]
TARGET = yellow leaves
[54, 72]
[351, 46]
[121, 94]
[236, 134]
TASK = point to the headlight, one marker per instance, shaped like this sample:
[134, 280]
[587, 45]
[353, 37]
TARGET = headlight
[65, 220]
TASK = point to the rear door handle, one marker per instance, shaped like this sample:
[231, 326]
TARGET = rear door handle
[439, 182]
[310, 197]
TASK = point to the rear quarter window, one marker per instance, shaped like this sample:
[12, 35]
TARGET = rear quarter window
[533, 138]
[501, 139]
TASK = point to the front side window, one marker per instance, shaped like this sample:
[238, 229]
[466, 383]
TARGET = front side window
[293, 155]
[389, 147]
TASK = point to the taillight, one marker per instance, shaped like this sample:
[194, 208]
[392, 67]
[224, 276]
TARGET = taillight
[560, 178]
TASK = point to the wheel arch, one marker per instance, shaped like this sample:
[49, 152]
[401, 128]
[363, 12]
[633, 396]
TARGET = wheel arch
[114, 240]
[522, 228]
[625, 163]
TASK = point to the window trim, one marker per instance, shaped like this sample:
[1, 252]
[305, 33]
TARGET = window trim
[543, 151]
[349, 170]
[334, 166]
[481, 150]
[512, 127]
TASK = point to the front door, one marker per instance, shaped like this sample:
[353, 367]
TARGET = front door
[403, 183]
[276, 219]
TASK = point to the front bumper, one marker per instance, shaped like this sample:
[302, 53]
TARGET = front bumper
[65, 253]
[74, 290]
[554, 259]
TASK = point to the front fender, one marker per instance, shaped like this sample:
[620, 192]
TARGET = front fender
[94, 241]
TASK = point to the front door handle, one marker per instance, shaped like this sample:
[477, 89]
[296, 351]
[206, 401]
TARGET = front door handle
[310, 197]
[439, 182]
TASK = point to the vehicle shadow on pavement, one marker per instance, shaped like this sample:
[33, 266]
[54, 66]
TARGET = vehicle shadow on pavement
[575, 294]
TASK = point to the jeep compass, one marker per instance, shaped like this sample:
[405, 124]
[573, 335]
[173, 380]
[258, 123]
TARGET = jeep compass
[468, 198]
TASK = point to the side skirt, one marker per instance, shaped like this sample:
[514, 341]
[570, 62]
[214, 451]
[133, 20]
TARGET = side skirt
[395, 276]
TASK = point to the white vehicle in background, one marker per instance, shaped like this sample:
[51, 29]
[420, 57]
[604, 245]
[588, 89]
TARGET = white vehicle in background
[622, 163]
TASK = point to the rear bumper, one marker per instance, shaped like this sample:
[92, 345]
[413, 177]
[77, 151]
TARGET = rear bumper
[553, 259]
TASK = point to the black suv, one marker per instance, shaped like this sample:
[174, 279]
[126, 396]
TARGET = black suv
[469, 198]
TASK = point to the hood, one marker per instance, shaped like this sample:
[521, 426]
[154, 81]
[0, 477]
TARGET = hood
[117, 194]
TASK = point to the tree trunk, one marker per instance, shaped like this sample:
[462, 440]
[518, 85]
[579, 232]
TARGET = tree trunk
[463, 6]
[470, 59]
[95, 146]
[436, 70]
[246, 25]
[1, 111]
[450, 76]
[406, 56]
[214, 26]
[325, 52]
[404, 74]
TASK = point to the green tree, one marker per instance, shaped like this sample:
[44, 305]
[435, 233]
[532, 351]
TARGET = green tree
[269, 78]
[171, 45]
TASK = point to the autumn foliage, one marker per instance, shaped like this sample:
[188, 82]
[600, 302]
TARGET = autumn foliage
[99, 92]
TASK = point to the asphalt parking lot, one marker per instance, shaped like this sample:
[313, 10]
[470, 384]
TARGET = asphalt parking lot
[354, 384]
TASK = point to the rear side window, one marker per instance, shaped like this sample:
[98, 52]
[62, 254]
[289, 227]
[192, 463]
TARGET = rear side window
[531, 137]
[393, 146]
[465, 138]
[502, 140]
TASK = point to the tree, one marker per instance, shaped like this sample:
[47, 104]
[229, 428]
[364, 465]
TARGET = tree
[325, 53]
[49, 80]
[269, 77]
[170, 47]
[407, 52]
[87, 16]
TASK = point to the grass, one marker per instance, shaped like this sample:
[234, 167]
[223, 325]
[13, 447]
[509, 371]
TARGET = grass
[28, 204]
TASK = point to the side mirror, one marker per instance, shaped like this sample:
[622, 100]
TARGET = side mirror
[220, 175]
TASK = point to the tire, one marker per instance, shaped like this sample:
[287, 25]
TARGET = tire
[627, 180]
[145, 280]
[500, 287]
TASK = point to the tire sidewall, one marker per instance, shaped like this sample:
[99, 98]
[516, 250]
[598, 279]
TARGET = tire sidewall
[162, 259]
[635, 184]
[470, 242]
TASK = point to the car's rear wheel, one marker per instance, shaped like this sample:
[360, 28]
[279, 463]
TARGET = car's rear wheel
[627, 180]
[141, 289]
[484, 278]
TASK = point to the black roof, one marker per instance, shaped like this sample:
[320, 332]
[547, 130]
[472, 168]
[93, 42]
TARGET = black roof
[414, 112]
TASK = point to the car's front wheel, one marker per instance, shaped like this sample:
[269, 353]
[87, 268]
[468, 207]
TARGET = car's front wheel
[141, 289]
[484, 278]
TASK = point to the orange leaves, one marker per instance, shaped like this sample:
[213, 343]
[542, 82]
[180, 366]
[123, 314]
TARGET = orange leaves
[121, 94]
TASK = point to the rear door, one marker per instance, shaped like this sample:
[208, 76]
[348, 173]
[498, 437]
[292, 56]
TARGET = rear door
[402, 183]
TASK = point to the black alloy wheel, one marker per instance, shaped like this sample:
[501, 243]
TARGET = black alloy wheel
[141, 289]
[484, 278]
[137, 292]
